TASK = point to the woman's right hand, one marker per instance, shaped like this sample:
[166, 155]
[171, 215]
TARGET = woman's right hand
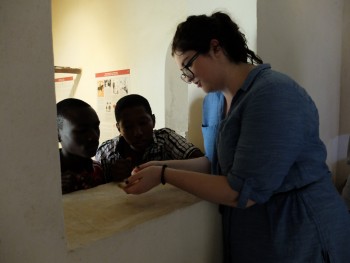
[143, 180]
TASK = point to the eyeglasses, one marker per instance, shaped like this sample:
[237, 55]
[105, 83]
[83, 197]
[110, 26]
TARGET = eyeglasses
[187, 75]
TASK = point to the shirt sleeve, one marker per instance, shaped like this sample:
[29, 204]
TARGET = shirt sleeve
[106, 152]
[176, 146]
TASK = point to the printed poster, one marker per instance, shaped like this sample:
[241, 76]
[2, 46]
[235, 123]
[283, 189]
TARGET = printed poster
[63, 88]
[111, 86]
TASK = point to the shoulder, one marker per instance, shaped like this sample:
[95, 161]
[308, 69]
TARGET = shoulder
[172, 140]
[163, 131]
[270, 87]
[106, 149]
[268, 79]
[175, 146]
[167, 134]
[109, 144]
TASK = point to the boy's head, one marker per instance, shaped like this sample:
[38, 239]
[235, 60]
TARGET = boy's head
[135, 121]
[78, 128]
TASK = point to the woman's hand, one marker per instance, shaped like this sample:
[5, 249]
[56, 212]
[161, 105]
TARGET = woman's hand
[143, 179]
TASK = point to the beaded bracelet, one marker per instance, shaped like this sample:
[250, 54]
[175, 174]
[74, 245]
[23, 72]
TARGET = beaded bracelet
[162, 177]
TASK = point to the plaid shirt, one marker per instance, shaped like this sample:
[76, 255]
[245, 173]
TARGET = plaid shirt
[166, 145]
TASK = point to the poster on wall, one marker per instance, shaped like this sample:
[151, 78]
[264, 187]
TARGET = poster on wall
[111, 86]
[66, 82]
[63, 87]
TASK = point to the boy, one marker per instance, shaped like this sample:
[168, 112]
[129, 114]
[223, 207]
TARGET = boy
[78, 133]
[138, 142]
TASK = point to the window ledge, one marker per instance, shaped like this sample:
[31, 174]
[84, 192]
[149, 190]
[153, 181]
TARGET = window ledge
[103, 211]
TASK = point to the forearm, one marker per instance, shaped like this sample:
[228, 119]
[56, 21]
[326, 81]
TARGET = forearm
[215, 189]
[200, 164]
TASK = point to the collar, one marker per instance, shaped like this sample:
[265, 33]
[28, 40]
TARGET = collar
[253, 74]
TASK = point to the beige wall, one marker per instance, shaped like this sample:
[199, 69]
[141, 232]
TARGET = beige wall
[100, 36]
[343, 169]
[31, 218]
[304, 40]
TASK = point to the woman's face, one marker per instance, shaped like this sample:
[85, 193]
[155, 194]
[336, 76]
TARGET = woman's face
[206, 70]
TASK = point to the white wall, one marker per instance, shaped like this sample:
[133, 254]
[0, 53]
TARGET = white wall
[304, 40]
[31, 219]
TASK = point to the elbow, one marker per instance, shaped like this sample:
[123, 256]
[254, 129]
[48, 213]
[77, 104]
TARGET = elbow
[205, 165]
[250, 203]
[234, 203]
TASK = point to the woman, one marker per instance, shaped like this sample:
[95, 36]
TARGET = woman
[277, 199]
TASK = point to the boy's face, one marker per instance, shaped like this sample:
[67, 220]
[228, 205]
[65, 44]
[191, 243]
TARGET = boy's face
[136, 126]
[80, 133]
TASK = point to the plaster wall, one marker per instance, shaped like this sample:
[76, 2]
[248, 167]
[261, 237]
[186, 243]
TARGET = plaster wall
[343, 168]
[304, 40]
[31, 228]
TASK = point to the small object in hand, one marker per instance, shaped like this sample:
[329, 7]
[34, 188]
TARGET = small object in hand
[122, 185]
[126, 183]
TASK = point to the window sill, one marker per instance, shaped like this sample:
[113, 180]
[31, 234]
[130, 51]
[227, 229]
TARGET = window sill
[103, 211]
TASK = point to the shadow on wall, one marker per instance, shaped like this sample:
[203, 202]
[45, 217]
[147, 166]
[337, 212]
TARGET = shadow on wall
[175, 97]
[194, 134]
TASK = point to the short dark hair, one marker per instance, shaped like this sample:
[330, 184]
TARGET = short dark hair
[67, 105]
[130, 101]
[197, 31]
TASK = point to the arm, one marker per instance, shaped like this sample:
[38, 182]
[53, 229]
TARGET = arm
[200, 164]
[195, 154]
[177, 147]
[211, 188]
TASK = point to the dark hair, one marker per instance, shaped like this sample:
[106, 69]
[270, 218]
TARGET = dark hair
[197, 31]
[130, 101]
[67, 105]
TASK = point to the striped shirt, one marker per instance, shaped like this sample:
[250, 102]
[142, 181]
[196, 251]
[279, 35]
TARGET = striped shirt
[166, 145]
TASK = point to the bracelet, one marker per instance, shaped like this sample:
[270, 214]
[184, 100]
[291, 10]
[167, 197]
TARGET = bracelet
[162, 177]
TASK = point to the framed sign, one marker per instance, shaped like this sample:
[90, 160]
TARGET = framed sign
[66, 82]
